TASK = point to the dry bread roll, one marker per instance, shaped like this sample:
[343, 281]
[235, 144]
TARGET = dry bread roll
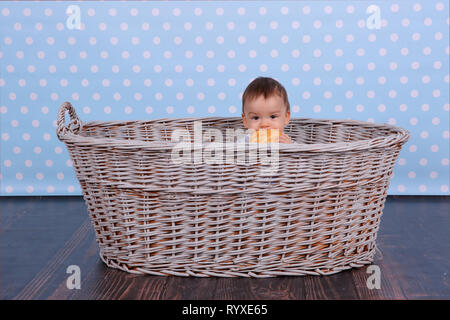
[265, 136]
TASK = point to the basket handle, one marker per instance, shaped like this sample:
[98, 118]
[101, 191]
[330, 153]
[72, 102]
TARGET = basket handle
[74, 125]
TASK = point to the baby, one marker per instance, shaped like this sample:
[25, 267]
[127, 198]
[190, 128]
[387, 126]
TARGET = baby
[265, 105]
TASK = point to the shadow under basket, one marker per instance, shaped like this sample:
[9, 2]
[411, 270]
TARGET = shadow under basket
[206, 205]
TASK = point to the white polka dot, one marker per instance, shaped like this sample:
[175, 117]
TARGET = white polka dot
[435, 121]
[211, 109]
[412, 148]
[444, 188]
[434, 148]
[146, 54]
[392, 93]
[401, 188]
[295, 81]
[148, 109]
[422, 188]
[423, 161]
[128, 110]
[338, 108]
[112, 12]
[424, 134]
[232, 109]
[230, 25]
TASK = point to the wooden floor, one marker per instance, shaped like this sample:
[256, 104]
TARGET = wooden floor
[41, 236]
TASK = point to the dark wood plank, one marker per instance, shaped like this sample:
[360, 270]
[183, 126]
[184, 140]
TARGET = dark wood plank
[42, 236]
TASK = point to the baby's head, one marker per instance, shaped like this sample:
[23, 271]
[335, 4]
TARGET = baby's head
[265, 105]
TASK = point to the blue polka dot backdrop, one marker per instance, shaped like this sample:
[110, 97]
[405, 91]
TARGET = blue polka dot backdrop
[377, 61]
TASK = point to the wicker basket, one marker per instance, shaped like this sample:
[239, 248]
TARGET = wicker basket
[318, 214]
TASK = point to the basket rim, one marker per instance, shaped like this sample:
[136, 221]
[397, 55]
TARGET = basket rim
[399, 136]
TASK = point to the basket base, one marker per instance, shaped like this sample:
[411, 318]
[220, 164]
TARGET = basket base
[210, 269]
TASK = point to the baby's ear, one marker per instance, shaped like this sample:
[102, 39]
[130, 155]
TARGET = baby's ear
[288, 117]
[244, 120]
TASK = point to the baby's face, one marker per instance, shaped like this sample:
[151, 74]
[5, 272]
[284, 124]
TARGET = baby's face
[267, 113]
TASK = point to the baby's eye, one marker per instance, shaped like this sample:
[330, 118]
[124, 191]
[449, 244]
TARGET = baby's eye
[255, 118]
[273, 116]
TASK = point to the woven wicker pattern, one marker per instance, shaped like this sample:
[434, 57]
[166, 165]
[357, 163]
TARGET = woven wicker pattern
[318, 214]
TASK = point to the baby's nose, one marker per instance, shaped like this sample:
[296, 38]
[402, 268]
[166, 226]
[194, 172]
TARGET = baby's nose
[265, 124]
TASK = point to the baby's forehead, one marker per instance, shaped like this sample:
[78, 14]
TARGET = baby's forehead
[262, 104]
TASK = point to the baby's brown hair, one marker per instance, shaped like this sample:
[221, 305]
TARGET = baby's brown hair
[266, 87]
